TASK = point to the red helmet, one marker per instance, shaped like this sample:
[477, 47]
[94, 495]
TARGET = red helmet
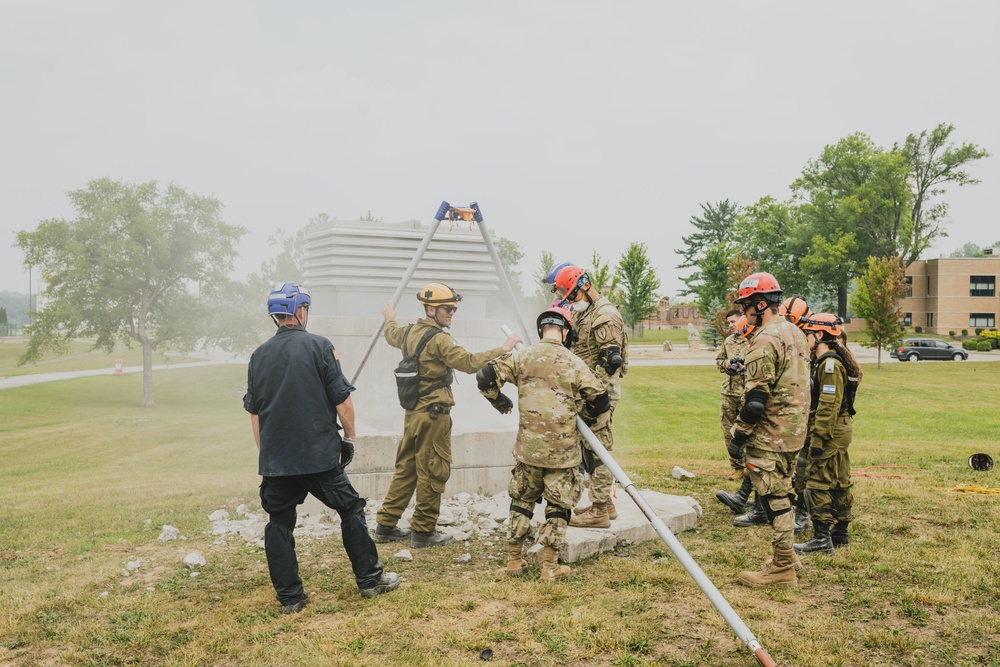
[744, 328]
[794, 308]
[569, 278]
[826, 323]
[762, 285]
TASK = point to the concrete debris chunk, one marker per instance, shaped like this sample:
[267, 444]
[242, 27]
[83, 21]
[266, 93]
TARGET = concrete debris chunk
[681, 473]
[218, 515]
[169, 533]
[134, 565]
[403, 554]
[194, 559]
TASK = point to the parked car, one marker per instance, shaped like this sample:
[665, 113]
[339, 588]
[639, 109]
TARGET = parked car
[917, 349]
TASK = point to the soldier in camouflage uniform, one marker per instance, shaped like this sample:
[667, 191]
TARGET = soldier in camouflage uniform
[602, 344]
[553, 386]
[836, 375]
[730, 360]
[771, 426]
[423, 458]
[796, 310]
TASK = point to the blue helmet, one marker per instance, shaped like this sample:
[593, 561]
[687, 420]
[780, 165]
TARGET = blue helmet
[556, 270]
[286, 298]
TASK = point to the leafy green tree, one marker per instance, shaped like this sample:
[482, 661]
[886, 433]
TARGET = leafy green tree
[969, 249]
[542, 294]
[934, 162]
[120, 271]
[770, 232]
[855, 204]
[713, 232]
[3, 321]
[603, 277]
[639, 285]
[876, 298]
[510, 254]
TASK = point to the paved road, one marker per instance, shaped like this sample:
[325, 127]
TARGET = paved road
[37, 378]
[864, 355]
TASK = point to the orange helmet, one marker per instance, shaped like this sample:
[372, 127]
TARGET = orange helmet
[794, 309]
[438, 294]
[762, 285]
[744, 328]
[826, 323]
[569, 278]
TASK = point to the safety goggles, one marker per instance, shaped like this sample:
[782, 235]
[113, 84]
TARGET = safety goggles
[449, 309]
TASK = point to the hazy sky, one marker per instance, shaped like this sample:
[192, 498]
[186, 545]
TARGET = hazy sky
[577, 126]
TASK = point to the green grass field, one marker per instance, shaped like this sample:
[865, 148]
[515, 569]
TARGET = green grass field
[88, 478]
[78, 357]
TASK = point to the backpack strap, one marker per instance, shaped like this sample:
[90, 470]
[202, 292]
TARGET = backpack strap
[446, 380]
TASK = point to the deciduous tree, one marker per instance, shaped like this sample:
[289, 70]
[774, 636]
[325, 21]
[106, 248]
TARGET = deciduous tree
[639, 285]
[879, 288]
[125, 268]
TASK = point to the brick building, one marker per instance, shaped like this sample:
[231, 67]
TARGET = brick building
[951, 294]
[672, 317]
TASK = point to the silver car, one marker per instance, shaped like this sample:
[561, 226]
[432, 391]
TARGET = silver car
[917, 349]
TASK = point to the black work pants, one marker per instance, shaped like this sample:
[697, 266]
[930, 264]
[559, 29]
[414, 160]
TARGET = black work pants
[279, 496]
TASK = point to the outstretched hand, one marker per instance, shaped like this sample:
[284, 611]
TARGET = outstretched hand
[511, 342]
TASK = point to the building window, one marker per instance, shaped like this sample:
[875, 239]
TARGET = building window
[928, 285]
[909, 285]
[983, 320]
[930, 320]
[907, 319]
[982, 285]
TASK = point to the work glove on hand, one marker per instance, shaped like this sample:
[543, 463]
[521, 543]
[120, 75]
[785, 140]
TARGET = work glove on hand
[346, 452]
[738, 445]
[502, 404]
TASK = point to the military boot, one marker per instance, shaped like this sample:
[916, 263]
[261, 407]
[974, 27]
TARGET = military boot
[551, 569]
[433, 538]
[737, 502]
[612, 510]
[820, 542]
[779, 572]
[839, 535]
[754, 517]
[516, 565]
[595, 516]
[801, 518]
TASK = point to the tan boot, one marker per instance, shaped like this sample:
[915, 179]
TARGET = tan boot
[595, 516]
[516, 565]
[796, 562]
[551, 569]
[736, 474]
[780, 572]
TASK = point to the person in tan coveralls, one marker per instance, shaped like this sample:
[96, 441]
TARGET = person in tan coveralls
[423, 458]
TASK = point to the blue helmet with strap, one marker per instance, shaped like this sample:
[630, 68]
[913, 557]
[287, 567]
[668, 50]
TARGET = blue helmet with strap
[286, 298]
[555, 271]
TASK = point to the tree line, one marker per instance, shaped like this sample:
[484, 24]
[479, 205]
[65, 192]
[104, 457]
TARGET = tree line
[855, 201]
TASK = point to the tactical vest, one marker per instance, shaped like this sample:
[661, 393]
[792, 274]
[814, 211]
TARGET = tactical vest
[850, 390]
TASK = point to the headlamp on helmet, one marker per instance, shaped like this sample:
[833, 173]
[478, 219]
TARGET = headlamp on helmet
[438, 294]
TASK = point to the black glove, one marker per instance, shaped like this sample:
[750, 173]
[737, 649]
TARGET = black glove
[735, 366]
[738, 445]
[502, 404]
[346, 452]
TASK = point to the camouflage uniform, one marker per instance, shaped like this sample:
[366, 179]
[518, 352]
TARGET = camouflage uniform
[598, 328]
[828, 468]
[552, 386]
[423, 458]
[777, 364]
[733, 347]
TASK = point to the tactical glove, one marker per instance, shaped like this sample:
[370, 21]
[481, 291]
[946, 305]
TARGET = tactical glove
[738, 445]
[346, 452]
[502, 404]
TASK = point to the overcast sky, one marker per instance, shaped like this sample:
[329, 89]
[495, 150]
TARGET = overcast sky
[577, 126]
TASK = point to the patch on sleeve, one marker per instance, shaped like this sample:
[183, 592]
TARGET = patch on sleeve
[829, 366]
[602, 334]
[829, 389]
[335, 355]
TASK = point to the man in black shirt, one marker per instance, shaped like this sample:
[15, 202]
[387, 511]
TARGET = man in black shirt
[295, 393]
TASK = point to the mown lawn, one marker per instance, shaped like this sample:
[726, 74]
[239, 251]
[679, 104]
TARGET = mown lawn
[88, 478]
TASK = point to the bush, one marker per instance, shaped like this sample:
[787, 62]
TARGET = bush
[985, 346]
[970, 344]
[951, 333]
[918, 329]
[979, 330]
[965, 333]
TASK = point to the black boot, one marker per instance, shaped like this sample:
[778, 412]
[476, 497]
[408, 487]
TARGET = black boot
[820, 543]
[839, 535]
[801, 518]
[754, 517]
[737, 502]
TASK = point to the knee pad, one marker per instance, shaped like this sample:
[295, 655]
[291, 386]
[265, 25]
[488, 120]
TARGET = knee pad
[520, 509]
[775, 506]
[285, 518]
[357, 507]
[556, 512]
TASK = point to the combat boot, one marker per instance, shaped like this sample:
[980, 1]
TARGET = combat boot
[801, 518]
[839, 535]
[595, 516]
[754, 517]
[433, 538]
[516, 565]
[551, 569]
[779, 572]
[612, 510]
[820, 542]
[737, 502]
